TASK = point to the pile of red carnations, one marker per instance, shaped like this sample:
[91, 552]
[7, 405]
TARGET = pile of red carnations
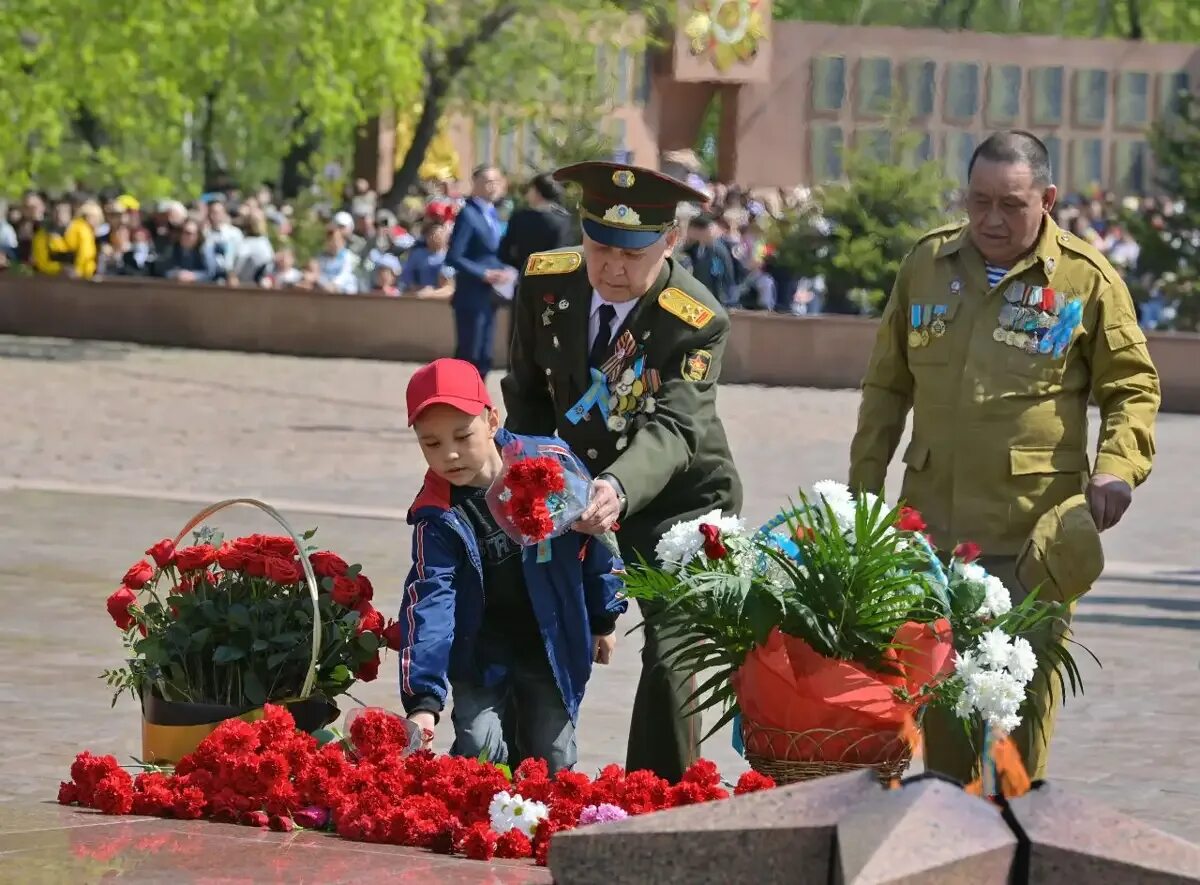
[268, 774]
[528, 483]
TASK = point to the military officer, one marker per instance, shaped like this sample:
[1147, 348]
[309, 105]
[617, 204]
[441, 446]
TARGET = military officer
[618, 349]
[997, 332]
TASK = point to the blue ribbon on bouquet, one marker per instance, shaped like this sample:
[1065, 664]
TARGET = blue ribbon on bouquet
[1059, 337]
[597, 394]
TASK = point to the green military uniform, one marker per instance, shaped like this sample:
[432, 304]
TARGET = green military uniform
[646, 416]
[1000, 409]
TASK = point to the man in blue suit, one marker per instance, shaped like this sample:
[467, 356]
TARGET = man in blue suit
[473, 254]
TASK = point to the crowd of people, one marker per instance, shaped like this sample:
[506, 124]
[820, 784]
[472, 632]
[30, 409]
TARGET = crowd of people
[252, 239]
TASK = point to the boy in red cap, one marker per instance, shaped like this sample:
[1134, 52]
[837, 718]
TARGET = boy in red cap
[513, 639]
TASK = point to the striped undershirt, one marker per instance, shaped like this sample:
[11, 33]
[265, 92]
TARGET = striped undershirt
[995, 275]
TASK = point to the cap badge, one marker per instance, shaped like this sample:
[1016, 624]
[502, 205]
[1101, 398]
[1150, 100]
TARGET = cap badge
[623, 216]
[623, 178]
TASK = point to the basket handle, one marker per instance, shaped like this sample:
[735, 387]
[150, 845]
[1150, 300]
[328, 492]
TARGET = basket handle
[310, 577]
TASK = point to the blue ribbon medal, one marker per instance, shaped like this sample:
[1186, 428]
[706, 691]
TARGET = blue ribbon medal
[597, 394]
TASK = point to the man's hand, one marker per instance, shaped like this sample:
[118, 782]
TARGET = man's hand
[603, 510]
[1108, 497]
[603, 647]
[425, 721]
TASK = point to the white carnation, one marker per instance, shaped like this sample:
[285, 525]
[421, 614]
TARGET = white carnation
[970, 571]
[683, 542]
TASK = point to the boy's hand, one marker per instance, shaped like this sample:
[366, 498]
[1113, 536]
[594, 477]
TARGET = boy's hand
[425, 721]
[603, 647]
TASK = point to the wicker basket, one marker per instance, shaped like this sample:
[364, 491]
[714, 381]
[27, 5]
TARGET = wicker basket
[790, 757]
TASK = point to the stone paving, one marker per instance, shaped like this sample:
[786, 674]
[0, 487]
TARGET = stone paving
[108, 447]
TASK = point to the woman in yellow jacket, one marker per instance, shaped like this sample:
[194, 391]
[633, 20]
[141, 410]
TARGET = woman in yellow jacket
[68, 242]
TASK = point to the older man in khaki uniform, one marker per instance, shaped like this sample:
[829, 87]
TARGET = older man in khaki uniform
[997, 333]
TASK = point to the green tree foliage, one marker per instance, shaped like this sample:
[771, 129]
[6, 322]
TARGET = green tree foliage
[856, 233]
[1161, 20]
[1170, 248]
[158, 97]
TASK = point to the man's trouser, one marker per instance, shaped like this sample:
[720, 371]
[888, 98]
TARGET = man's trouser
[662, 737]
[951, 750]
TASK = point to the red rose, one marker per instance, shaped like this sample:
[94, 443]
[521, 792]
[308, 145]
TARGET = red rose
[138, 575]
[369, 620]
[283, 571]
[368, 671]
[163, 553]
[714, 548]
[910, 520]
[345, 592]
[365, 590]
[328, 565]
[231, 557]
[255, 565]
[192, 559]
[967, 551]
[118, 607]
[391, 636]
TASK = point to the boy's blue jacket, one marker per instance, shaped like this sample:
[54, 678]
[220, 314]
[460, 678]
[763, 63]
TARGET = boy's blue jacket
[574, 596]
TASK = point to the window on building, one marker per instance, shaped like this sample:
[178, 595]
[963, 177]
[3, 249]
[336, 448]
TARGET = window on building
[874, 86]
[484, 141]
[919, 81]
[1004, 94]
[1132, 160]
[1169, 88]
[959, 147]
[828, 83]
[875, 143]
[922, 151]
[1046, 93]
[962, 90]
[1087, 164]
[825, 152]
[1133, 99]
[1091, 97]
[1054, 149]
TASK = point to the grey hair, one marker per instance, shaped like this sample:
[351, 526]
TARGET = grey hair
[1016, 146]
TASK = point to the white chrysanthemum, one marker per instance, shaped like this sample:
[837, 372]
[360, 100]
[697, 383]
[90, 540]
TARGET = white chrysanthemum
[500, 812]
[509, 811]
[997, 696]
[1022, 662]
[994, 649]
[966, 665]
[970, 571]
[996, 599]
[527, 815]
[835, 494]
[683, 542]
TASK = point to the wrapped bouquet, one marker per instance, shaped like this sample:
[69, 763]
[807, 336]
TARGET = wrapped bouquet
[829, 630]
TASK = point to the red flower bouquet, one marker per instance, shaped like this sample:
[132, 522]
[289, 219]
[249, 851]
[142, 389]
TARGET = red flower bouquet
[218, 628]
[540, 493]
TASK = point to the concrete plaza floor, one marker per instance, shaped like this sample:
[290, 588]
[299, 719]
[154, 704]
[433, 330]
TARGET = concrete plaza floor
[108, 447]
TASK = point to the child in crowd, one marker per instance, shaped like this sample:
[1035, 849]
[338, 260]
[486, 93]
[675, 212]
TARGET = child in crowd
[511, 638]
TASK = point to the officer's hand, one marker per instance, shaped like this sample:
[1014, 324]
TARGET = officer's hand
[1108, 497]
[603, 647]
[603, 510]
[427, 723]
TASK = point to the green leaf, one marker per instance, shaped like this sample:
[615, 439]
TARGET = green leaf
[369, 641]
[273, 661]
[239, 615]
[288, 638]
[308, 535]
[200, 637]
[259, 645]
[227, 654]
[252, 688]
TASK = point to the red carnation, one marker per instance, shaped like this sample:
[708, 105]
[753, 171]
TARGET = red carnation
[714, 547]
[541, 842]
[967, 551]
[368, 671]
[751, 782]
[910, 520]
[479, 842]
[328, 565]
[114, 793]
[345, 592]
[391, 635]
[118, 607]
[139, 575]
[190, 559]
[283, 571]
[255, 819]
[514, 845]
[68, 793]
[163, 553]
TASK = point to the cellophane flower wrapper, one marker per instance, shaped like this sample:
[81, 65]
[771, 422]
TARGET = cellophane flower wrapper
[540, 493]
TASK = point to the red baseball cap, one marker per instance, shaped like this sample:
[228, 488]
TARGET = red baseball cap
[453, 382]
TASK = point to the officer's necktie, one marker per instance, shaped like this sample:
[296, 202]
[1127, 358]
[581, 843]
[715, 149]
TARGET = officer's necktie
[600, 344]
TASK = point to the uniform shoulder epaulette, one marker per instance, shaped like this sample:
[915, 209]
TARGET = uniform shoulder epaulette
[681, 304]
[1078, 246]
[951, 229]
[544, 263]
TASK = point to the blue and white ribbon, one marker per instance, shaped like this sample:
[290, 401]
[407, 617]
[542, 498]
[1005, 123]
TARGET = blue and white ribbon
[597, 394]
[1059, 337]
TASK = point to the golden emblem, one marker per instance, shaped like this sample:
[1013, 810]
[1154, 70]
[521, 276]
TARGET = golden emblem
[938, 328]
[623, 216]
[679, 303]
[542, 263]
[696, 364]
[623, 178]
[914, 339]
[999, 334]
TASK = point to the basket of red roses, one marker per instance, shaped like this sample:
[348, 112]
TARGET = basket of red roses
[218, 628]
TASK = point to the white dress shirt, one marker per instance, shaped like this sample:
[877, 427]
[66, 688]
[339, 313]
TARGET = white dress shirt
[623, 309]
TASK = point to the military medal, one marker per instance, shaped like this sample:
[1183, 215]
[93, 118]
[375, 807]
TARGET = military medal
[1015, 293]
[956, 287]
[547, 316]
[998, 334]
[938, 327]
[564, 304]
[554, 341]
[925, 311]
[914, 336]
